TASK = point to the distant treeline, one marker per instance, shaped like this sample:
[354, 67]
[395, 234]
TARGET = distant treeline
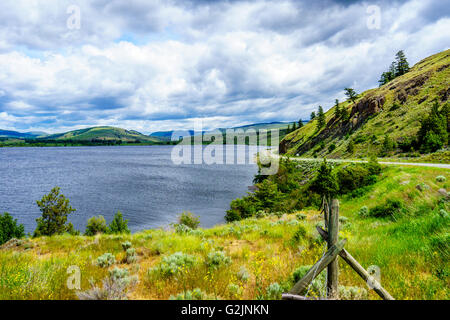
[70, 142]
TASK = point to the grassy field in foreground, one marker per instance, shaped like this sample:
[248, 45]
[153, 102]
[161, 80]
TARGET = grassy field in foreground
[255, 258]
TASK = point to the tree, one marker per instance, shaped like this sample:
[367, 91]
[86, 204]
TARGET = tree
[321, 120]
[300, 123]
[337, 110]
[118, 224]
[288, 130]
[313, 115]
[345, 116]
[294, 126]
[433, 133]
[9, 228]
[388, 145]
[325, 183]
[96, 225]
[401, 64]
[351, 94]
[351, 147]
[55, 208]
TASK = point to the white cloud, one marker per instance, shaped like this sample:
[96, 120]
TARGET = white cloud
[153, 65]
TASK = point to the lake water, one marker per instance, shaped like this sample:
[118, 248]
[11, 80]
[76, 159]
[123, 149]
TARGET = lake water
[142, 182]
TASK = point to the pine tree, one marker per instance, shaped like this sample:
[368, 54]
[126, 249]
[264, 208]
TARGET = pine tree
[321, 120]
[300, 123]
[288, 130]
[351, 94]
[294, 126]
[325, 183]
[402, 65]
[313, 115]
[345, 116]
[337, 110]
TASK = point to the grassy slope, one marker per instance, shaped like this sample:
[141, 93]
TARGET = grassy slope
[410, 251]
[400, 123]
[104, 133]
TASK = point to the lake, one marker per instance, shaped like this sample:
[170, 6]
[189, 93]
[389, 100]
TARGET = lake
[140, 181]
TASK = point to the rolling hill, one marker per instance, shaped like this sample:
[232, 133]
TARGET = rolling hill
[103, 134]
[19, 135]
[394, 110]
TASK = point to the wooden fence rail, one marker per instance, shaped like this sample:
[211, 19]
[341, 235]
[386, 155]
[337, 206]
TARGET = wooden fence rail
[330, 261]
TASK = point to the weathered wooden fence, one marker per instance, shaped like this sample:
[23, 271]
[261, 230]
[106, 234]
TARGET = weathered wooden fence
[335, 249]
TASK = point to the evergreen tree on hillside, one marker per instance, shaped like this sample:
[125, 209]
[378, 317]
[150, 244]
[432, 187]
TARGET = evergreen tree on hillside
[351, 94]
[401, 64]
[300, 123]
[288, 130]
[313, 115]
[321, 120]
[294, 126]
[345, 116]
[337, 110]
[325, 182]
[433, 134]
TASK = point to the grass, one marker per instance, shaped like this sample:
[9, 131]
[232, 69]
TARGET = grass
[411, 251]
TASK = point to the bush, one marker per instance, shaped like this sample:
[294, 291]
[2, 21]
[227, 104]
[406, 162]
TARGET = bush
[352, 293]
[355, 176]
[131, 255]
[188, 219]
[243, 274]
[363, 212]
[274, 291]
[299, 234]
[195, 294]
[441, 179]
[317, 285]
[118, 224]
[182, 229]
[115, 287]
[96, 225]
[126, 245]
[217, 259]
[390, 208]
[301, 216]
[9, 228]
[106, 260]
[173, 264]
[55, 208]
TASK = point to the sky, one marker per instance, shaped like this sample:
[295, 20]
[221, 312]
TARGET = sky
[153, 65]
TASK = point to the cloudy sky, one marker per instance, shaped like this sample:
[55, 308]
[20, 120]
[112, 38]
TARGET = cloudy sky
[157, 65]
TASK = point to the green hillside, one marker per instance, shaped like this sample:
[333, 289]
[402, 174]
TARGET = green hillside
[103, 134]
[394, 110]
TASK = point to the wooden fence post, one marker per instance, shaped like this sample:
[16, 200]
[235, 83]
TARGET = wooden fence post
[333, 267]
[318, 267]
[347, 257]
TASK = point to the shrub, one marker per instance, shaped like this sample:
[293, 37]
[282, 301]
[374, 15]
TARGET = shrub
[182, 229]
[96, 225]
[441, 179]
[317, 285]
[352, 293]
[301, 216]
[243, 274]
[363, 212]
[234, 290]
[118, 224]
[9, 228]
[106, 260]
[131, 255]
[217, 259]
[355, 176]
[274, 291]
[126, 245]
[299, 234]
[115, 287]
[195, 294]
[188, 219]
[55, 208]
[390, 208]
[172, 265]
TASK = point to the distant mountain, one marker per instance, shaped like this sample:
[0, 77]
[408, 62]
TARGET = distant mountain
[388, 115]
[18, 135]
[102, 133]
[166, 135]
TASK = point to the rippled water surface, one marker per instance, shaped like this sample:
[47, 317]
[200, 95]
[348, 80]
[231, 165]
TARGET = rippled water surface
[142, 182]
